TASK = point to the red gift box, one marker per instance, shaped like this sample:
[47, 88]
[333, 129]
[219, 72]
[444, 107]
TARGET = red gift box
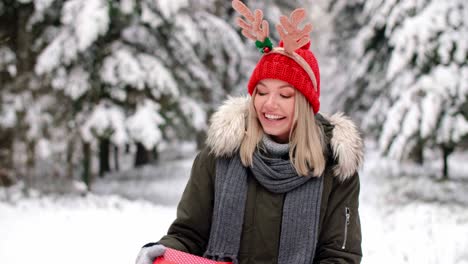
[172, 256]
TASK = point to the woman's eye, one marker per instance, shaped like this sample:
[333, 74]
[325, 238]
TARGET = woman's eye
[286, 96]
[261, 93]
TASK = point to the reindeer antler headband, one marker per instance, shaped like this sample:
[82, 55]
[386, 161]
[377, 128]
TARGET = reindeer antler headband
[257, 29]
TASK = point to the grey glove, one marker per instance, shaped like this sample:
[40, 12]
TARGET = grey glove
[149, 253]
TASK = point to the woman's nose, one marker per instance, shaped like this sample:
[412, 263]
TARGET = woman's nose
[271, 102]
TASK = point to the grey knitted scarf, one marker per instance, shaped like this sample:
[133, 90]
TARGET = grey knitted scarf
[301, 209]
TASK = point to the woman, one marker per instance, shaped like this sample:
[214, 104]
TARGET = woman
[277, 182]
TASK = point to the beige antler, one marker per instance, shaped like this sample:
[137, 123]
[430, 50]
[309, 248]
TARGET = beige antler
[255, 27]
[294, 38]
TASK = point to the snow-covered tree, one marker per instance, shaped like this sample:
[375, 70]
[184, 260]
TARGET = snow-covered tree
[160, 50]
[336, 24]
[408, 74]
[153, 69]
[22, 92]
[8, 117]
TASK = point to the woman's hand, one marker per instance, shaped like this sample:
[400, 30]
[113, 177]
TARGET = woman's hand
[149, 253]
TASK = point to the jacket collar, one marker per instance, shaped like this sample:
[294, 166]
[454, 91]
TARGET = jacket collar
[227, 130]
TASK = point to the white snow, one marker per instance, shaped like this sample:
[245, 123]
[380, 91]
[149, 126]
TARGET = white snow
[195, 112]
[149, 17]
[127, 6]
[106, 119]
[37, 117]
[426, 110]
[407, 60]
[124, 68]
[87, 19]
[158, 77]
[408, 216]
[77, 230]
[74, 84]
[188, 28]
[169, 8]
[7, 116]
[82, 23]
[143, 125]
[140, 35]
[40, 6]
[43, 148]
[8, 60]
[221, 41]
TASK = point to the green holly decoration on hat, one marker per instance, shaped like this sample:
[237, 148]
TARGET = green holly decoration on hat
[265, 46]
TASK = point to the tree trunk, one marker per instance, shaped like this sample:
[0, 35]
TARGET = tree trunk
[6, 156]
[143, 156]
[446, 151]
[104, 149]
[30, 163]
[70, 150]
[24, 65]
[24, 39]
[5, 178]
[155, 155]
[417, 154]
[86, 176]
[116, 158]
[127, 148]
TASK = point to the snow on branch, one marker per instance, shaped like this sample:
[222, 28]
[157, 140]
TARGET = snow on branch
[143, 125]
[82, 23]
[428, 112]
[126, 68]
[106, 120]
[433, 33]
[74, 84]
[194, 112]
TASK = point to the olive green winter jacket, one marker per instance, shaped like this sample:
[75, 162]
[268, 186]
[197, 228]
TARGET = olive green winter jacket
[339, 228]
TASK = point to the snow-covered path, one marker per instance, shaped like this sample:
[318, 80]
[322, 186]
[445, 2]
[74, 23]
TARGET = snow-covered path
[78, 230]
[108, 227]
[408, 217]
[401, 222]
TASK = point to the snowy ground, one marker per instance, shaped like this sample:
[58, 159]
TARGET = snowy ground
[408, 216]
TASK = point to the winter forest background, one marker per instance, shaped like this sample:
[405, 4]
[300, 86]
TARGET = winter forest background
[103, 105]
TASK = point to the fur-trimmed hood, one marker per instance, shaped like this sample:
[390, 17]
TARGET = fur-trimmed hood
[227, 130]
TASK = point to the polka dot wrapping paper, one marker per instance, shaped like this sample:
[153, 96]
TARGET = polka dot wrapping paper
[172, 256]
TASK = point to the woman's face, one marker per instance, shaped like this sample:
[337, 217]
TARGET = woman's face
[274, 104]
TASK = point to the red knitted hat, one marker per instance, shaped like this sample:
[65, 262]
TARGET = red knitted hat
[278, 66]
[292, 61]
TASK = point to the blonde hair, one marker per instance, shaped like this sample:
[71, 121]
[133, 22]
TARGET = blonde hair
[306, 138]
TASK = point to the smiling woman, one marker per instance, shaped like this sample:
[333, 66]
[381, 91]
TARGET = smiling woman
[277, 182]
[282, 113]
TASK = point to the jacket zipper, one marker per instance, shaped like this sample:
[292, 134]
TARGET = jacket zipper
[347, 214]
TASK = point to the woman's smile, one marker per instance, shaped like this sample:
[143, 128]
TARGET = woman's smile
[273, 117]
